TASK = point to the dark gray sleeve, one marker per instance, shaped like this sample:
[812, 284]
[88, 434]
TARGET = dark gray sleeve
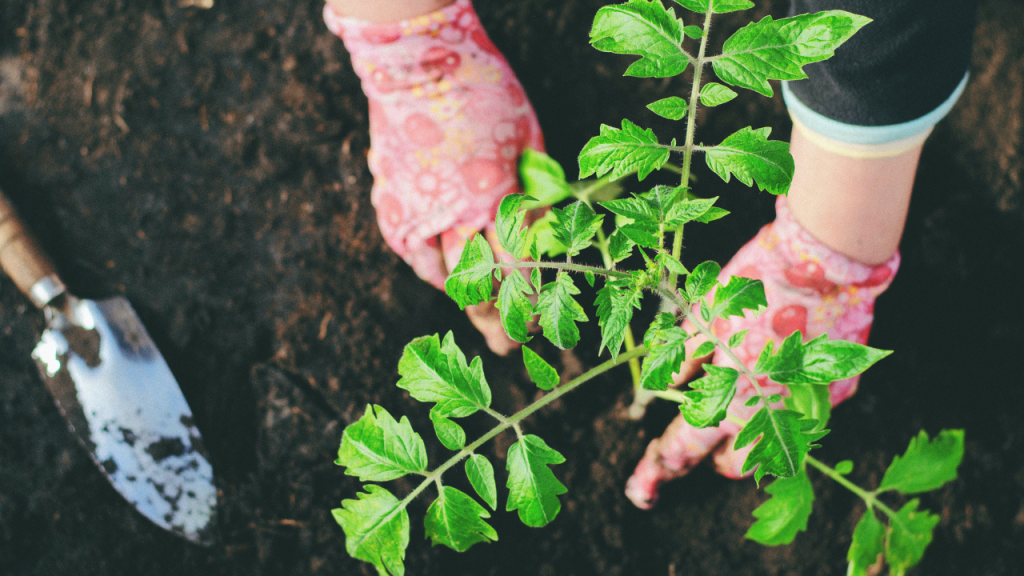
[900, 67]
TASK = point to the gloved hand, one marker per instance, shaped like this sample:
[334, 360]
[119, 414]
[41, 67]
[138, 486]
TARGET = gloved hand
[810, 288]
[448, 122]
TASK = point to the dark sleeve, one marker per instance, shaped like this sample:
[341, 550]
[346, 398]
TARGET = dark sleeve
[898, 68]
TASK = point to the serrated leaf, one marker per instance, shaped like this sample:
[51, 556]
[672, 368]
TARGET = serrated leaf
[714, 94]
[689, 210]
[703, 278]
[481, 477]
[535, 277]
[786, 513]
[695, 32]
[719, 6]
[738, 338]
[636, 209]
[926, 465]
[844, 467]
[785, 438]
[704, 349]
[663, 359]
[471, 281]
[543, 180]
[377, 448]
[457, 521]
[663, 321]
[451, 435]
[713, 213]
[622, 152]
[868, 543]
[559, 312]
[434, 372]
[376, 529]
[738, 295]
[541, 373]
[533, 488]
[620, 246]
[671, 263]
[515, 306]
[542, 238]
[751, 157]
[910, 533]
[509, 225]
[662, 199]
[812, 401]
[820, 361]
[641, 234]
[645, 29]
[779, 49]
[615, 303]
[672, 108]
[575, 226]
[710, 396]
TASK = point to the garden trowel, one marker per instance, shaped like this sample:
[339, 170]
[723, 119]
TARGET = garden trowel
[116, 392]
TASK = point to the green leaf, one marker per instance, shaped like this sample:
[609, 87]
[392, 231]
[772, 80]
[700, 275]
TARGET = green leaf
[376, 529]
[575, 226]
[695, 32]
[615, 304]
[515, 306]
[752, 401]
[542, 237]
[641, 234]
[811, 401]
[589, 277]
[703, 350]
[926, 465]
[377, 448]
[471, 281]
[509, 225]
[707, 403]
[596, 190]
[786, 513]
[820, 361]
[703, 278]
[714, 94]
[543, 180]
[689, 210]
[438, 373]
[910, 532]
[448, 432]
[779, 49]
[663, 321]
[622, 152]
[738, 295]
[713, 213]
[541, 373]
[868, 543]
[663, 359]
[481, 477]
[738, 338]
[719, 6]
[642, 28]
[620, 246]
[752, 157]
[672, 108]
[559, 312]
[533, 489]
[672, 263]
[636, 209]
[844, 467]
[456, 520]
[785, 438]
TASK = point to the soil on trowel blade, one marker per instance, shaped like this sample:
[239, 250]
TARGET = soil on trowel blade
[210, 165]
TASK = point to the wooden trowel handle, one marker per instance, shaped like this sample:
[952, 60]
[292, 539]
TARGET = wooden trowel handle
[23, 260]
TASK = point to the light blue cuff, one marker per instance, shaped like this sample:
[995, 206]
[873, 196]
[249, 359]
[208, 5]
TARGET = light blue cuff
[853, 134]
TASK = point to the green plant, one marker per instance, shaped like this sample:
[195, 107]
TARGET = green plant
[378, 448]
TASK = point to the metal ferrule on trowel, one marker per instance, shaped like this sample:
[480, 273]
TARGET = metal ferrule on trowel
[116, 392]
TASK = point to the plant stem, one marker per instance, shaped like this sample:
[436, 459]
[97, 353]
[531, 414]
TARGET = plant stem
[562, 266]
[867, 497]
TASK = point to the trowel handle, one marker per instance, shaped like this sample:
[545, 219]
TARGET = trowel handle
[24, 261]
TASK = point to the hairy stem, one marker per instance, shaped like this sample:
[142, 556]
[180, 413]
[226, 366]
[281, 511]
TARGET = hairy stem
[867, 497]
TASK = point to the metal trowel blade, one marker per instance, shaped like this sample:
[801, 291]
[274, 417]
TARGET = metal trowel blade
[121, 400]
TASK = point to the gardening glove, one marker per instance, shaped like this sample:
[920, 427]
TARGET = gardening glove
[448, 122]
[809, 287]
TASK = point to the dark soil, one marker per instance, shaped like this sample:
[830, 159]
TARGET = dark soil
[210, 165]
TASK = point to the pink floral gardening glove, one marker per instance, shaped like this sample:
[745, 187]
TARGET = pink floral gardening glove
[448, 121]
[810, 288]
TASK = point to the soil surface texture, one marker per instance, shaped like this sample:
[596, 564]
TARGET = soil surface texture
[210, 165]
